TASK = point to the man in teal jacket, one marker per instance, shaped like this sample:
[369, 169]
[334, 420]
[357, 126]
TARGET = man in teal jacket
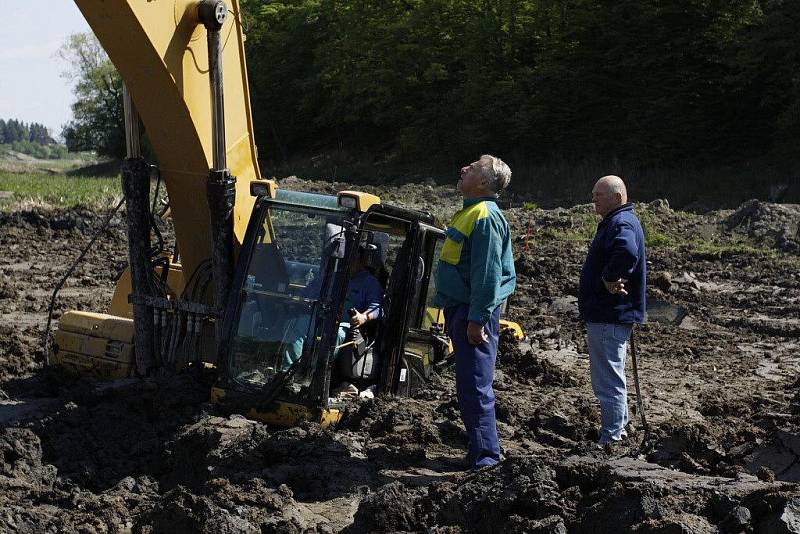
[475, 275]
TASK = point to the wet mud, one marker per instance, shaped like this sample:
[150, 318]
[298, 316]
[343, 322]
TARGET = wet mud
[718, 362]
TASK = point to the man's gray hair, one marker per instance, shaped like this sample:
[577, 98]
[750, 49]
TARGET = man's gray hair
[498, 173]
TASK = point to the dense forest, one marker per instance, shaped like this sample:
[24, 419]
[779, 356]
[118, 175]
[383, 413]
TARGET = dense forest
[658, 83]
[655, 80]
[566, 87]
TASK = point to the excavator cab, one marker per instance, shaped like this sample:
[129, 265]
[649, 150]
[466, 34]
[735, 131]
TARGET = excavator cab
[282, 353]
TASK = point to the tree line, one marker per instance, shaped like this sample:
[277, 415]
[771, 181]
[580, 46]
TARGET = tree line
[13, 131]
[658, 82]
[33, 139]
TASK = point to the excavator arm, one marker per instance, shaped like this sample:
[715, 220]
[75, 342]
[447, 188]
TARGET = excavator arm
[160, 49]
[171, 55]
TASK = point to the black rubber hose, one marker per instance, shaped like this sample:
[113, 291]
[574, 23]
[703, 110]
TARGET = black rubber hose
[103, 228]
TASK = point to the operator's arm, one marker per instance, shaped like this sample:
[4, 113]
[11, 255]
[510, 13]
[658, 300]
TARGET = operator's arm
[624, 255]
[373, 297]
[486, 269]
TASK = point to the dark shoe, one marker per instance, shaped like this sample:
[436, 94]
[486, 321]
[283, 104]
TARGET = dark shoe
[609, 446]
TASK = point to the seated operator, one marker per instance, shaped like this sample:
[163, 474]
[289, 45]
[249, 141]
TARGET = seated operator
[364, 295]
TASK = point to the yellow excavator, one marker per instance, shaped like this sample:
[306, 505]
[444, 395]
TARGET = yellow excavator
[256, 286]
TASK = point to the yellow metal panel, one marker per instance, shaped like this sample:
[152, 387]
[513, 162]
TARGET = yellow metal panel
[285, 414]
[97, 325]
[84, 365]
[93, 346]
[119, 302]
[514, 327]
[432, 316]
[162, 54]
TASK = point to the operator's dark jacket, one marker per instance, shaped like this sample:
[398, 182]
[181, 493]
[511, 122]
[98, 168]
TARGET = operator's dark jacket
[617, 251]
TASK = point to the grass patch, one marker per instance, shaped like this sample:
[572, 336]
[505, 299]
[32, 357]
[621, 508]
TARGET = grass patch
[57, 190]
[726, 250]
[567, 235]
[15, 162]
[656, 232]
[580, 227]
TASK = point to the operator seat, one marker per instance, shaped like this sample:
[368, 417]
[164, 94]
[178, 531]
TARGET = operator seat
[375, 255]
[269, 268]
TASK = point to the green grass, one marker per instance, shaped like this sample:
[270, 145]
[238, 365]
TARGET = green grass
[582, 228]
[723, 250]
[30, 189]
[12, 162]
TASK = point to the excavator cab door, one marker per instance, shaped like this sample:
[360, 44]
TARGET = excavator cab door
[410, 347]
[282, 309]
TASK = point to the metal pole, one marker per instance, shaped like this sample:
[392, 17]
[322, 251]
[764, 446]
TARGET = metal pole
[639, 402]
[132, 145]
[221, 186]
[217, 99]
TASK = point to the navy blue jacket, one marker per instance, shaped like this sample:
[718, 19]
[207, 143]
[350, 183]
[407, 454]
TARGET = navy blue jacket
[617, 251]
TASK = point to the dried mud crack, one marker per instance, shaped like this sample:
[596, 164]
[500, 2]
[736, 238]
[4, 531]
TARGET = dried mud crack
[719, 370]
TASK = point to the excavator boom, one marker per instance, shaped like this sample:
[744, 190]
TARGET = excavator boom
[161, 51]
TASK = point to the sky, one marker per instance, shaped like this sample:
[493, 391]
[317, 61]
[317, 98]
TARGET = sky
[31, 86]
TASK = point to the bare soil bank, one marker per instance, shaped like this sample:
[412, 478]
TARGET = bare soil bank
[719, 374]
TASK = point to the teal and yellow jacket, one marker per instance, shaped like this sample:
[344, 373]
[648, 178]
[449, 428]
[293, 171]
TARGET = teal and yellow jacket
[476, 266]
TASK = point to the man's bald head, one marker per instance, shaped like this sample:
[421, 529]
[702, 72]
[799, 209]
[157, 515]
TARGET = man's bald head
[608, 194]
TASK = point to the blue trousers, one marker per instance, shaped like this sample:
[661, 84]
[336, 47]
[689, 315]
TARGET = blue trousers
[608, 344]
[296, 339]
[474, 376]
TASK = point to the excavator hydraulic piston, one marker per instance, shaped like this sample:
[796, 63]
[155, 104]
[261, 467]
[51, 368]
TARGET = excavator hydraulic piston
[136, 188]
[221, 186]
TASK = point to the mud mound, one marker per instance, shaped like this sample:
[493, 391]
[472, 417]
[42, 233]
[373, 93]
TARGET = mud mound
[103, 435]
[8, 289]
[79, 218]
[21, 353]
[775, 224]
[580, 495]
[528, 365]
[223, 508]
[405, 433]
[21, 460]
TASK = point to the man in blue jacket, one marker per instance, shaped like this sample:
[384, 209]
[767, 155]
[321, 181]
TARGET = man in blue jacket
[611, 299]
[475, 275]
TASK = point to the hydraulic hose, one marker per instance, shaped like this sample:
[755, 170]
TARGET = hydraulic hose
[103, 228]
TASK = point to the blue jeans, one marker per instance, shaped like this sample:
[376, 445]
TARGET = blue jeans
[474, 376]
[296, 339]
[608, 344]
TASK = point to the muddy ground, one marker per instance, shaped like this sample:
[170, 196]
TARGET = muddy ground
[719, 369]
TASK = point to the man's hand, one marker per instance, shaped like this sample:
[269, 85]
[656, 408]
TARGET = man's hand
[617, 287]
[476, 335]
[358, 319]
